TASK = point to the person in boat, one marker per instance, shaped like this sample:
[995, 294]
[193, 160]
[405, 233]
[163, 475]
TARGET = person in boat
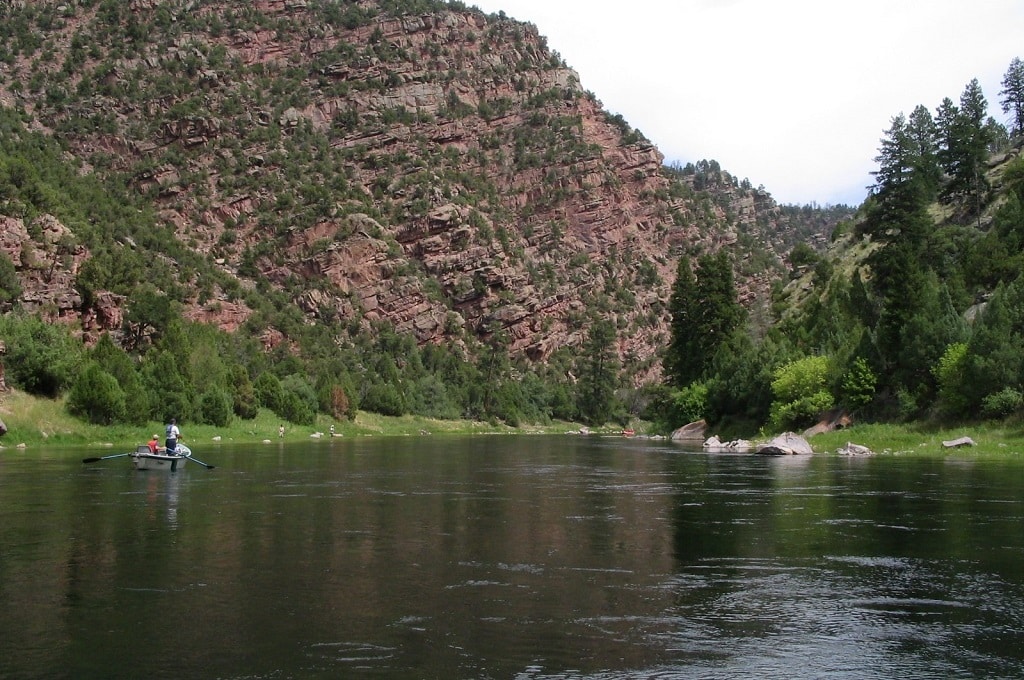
[173, 435]
[153, 444]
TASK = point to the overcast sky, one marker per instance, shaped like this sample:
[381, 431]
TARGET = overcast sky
[790, 94]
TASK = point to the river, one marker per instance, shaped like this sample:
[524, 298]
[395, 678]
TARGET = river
[522, 557]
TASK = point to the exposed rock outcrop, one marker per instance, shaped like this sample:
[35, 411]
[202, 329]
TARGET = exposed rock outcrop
[446, 173]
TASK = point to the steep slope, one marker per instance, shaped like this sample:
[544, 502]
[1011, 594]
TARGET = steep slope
[416, 163]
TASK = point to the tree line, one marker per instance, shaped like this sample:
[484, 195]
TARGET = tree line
[197, 373]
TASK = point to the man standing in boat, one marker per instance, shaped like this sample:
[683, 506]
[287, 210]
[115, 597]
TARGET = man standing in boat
[173, 434]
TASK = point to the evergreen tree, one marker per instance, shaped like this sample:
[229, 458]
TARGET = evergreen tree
[599, 374]
[966, 148]
[269, 393]
[117, 363]
[922, 134]
[96, 396]
[895, 157]
[244, 403]
[995, 352]
[1013, 95]
[704, 312]
[682, 364]
[928, 329]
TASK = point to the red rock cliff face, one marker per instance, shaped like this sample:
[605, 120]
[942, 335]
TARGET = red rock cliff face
[445, 172]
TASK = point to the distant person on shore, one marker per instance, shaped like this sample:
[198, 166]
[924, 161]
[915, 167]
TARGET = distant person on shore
[173, 435]
[280, 431]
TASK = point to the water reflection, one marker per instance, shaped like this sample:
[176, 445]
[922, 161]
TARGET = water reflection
[529, 557]
[161, 491]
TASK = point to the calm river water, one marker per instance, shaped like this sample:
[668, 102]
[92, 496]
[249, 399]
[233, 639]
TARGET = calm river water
[521, 557]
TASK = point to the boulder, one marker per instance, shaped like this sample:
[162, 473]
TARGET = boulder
[787, 443]
[852, 449]
[694, 430]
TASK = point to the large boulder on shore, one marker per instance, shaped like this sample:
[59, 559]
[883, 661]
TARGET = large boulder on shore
[786, 444]
[694, 430]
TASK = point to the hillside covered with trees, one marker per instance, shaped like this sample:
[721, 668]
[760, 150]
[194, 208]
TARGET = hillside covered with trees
[915, 311]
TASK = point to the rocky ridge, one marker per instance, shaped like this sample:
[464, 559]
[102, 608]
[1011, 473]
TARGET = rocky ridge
[444, 172]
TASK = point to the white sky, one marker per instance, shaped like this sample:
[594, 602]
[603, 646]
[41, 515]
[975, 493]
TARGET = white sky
[790, 94]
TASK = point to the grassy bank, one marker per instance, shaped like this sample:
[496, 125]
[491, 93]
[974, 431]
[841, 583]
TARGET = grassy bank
[925, 440]
[34, 422]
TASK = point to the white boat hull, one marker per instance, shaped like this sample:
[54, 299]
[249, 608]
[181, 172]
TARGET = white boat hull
[144, 459]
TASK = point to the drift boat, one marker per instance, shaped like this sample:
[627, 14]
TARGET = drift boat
[144, 459]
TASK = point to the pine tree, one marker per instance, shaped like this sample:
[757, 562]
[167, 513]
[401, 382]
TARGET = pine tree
[967, 139]
[894, 157]
[704, 313]
[1013, 95]
[599, 374]
[682, 364]
[922, 134]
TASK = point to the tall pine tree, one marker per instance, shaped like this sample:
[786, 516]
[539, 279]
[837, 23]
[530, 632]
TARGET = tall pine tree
[1013, 95]
[704, 312]
[967, 138]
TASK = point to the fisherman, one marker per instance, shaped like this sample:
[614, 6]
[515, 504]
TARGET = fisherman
[153, 444]
[173, 434]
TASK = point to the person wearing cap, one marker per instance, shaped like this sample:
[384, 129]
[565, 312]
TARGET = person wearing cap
[173, 434]
[154, 444]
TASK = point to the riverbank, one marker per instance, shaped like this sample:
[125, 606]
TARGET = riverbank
[33, 422]
[908, 439]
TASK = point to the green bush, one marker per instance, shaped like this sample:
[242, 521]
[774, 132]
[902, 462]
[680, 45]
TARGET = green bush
[801, 392]
[858, 384]
[42, 358]
[1004, 403]
[215, 407]
[96, 396]
[950, 374]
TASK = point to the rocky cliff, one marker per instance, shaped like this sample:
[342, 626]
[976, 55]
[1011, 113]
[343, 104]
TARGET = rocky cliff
[416, 163]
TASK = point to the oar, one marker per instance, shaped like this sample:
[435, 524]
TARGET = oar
[196, 460]
[93, 460]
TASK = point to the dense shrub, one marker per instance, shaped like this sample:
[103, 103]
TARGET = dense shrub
[96, 396]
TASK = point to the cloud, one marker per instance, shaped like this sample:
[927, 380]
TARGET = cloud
[791, 94]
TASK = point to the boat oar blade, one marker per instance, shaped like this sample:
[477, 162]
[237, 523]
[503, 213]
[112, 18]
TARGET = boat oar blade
[196, 460]
[116, 455]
